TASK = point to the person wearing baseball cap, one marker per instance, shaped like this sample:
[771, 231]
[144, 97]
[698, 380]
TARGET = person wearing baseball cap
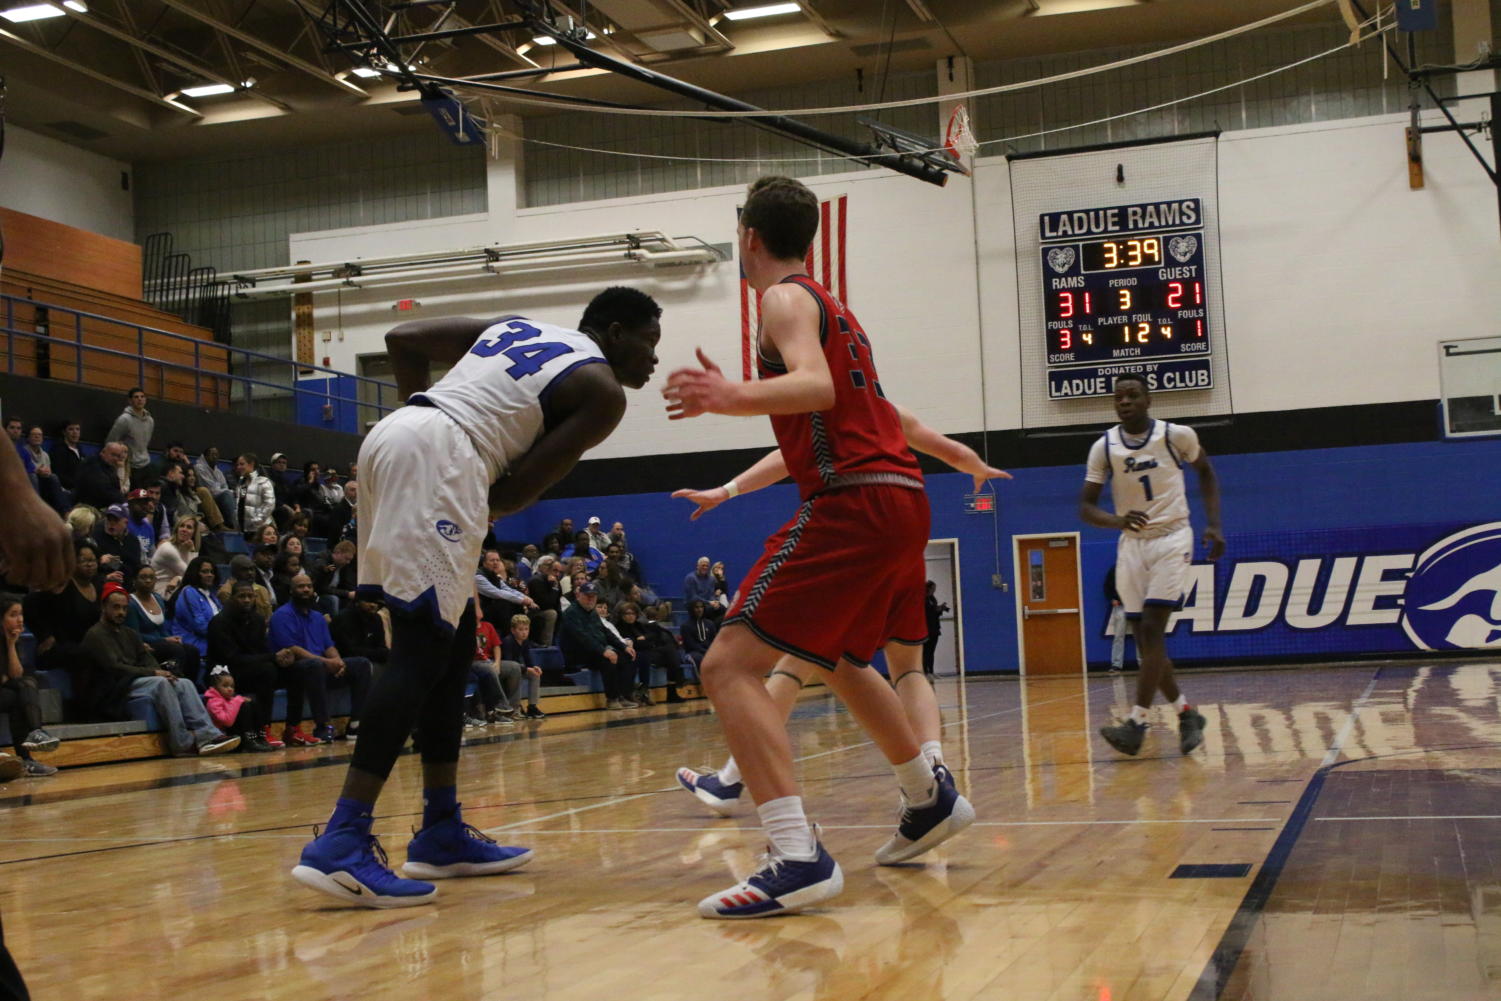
[587, 643]
[140, 523]
[119, 550]
[598, 537]
[118, 652]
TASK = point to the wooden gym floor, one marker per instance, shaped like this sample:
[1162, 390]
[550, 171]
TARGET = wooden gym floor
[1345, 822]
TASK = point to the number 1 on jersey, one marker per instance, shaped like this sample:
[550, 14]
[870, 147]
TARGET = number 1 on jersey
[1146, 484]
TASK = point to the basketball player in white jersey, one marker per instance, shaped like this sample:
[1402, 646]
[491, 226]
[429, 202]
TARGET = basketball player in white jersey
[721, 790]
[522, 401]
[1143, 460]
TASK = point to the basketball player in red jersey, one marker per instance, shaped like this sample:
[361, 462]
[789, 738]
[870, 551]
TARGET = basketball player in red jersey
[840, 580]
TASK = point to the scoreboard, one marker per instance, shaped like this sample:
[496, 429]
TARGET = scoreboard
[1125, 290]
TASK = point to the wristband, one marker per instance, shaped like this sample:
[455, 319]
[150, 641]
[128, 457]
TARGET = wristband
[732, 488]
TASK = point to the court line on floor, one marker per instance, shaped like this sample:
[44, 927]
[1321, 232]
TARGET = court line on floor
[1237, 935]
[1453, 816]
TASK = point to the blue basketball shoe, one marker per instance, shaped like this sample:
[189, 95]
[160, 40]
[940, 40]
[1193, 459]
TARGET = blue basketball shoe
[722, 798]
[924, 827]
[451, 848]
[349, 863]
[778, 886]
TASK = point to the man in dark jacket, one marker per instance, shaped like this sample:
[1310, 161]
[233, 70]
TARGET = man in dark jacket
[119, 550]
[66, 456]
[359, 632]
[98, 480]
[587, 643]
[698, 632]
[237, 639]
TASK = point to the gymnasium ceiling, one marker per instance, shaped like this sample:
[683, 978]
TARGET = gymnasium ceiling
[105, 75]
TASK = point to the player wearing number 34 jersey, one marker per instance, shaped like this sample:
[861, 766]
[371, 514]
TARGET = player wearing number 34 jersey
[1142, 459]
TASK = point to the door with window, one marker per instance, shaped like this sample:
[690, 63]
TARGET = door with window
[1049, 604]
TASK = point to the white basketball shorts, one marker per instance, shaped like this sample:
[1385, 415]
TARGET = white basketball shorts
[1152, 571]
[423, 513]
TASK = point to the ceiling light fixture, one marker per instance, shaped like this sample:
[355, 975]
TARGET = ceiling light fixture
[207, 90]
[366, 72]
[76, 5]
[549, 40]
[32, 12]
[767, 10]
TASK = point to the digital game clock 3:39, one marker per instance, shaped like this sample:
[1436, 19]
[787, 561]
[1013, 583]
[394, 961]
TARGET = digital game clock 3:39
[1125, 290]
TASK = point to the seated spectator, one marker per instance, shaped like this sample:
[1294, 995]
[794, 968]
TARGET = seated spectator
[598, 538]
[659, 614]
[336, 577]
[316, 498]
[517, 648]
[284, 485]
[287, 567]
[351, 513]
[67, 457]
[211, 478]
[133, 428]
[40, 465]
[255, 496]
[237, 639]
[59, 619]
[700, 586]
[543, 588]
[102, 479]
[485, 671]
[582, 549]
[264, 560]
[654, 648]
[129, 669]
[698, 632]
[614, 584]
[119, 550]
[722, 590]
[565, 530]
[81, 521]
[148, 618]
[193, 501]
[237, 714]
[141, 521]
[359, 632]
[173, 554]
[498, 599]
[580, 577]
[552, 544]
[587, 643]
[530, 554]
[195, 603]
[298, 626]
[299, 527]
[628, 560]
[19, 700]
[242, 568]
[173, 454]
[267, 535]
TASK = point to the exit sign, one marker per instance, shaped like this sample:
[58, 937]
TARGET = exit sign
[979, 503]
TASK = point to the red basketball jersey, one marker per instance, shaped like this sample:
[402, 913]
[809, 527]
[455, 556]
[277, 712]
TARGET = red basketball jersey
[857, 440]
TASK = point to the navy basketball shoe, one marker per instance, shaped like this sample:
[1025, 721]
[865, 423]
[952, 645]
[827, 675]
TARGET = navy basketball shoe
[778, 886]
[922, 828]
[451, 848]
[349, 863]
[723, 798]
[1126, 736]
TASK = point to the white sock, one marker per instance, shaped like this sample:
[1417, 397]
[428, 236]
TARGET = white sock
[730, 773]
[932, 750]
[788, 829]
[916, 779]
[1180, 703]
[1138, 714]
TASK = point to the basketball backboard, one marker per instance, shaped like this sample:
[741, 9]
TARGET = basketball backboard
[1470, 386]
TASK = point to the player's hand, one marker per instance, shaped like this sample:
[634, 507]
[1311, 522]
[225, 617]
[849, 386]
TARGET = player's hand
[610, 655]
[986, 474]
[694, 391]
[1214, 541]
[1132, 521]
[707, 500]
[36, 547]
[535, 672]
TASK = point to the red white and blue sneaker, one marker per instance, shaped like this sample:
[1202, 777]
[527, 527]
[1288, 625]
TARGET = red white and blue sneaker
[922, 828]
[451, 848]
[778, 886]
[721, 797]
[349, 863]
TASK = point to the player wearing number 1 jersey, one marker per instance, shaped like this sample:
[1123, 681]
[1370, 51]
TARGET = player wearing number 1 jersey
[522, 401]
[1142, 459]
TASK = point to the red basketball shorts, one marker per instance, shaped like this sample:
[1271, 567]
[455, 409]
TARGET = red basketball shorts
[842, 578]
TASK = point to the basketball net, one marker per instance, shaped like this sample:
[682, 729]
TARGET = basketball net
[959, 139]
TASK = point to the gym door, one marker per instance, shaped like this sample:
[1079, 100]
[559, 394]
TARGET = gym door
[1050, 626]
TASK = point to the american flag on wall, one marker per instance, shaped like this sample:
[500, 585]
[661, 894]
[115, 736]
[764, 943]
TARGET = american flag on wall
[825, 264]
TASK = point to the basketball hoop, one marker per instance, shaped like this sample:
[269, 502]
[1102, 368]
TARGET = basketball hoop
[959, 139]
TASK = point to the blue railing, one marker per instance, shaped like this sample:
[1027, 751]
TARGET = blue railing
[253, 383]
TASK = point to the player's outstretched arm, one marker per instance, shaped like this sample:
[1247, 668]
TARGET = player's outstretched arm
[769, 469]
[921, 438]
[416, 346]
[1209, 486]
[790, 320]
[585, 407]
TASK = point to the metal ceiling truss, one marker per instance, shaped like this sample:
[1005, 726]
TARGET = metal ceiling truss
[353, 28]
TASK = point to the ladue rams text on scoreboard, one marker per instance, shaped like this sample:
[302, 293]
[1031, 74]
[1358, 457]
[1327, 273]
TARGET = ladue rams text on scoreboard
[1125, 290]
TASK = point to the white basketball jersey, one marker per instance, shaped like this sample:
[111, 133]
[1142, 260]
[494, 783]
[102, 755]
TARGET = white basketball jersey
[497, 390]
[1147, 476]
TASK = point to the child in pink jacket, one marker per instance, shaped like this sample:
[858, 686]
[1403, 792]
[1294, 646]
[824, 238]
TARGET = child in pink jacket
[234, 713]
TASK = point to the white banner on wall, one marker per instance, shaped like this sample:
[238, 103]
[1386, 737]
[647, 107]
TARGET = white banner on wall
[1118, 270]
